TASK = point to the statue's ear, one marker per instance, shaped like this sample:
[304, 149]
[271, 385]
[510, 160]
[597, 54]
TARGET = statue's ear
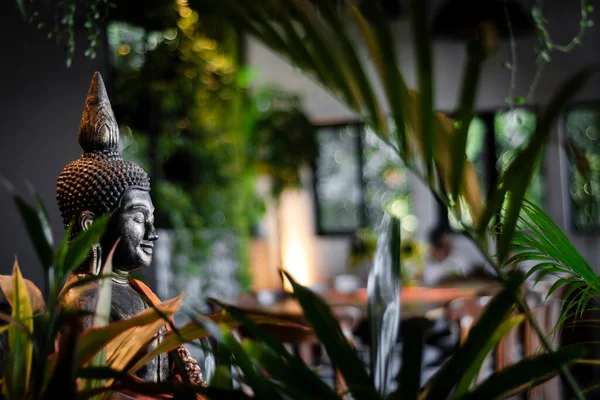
[85, 220]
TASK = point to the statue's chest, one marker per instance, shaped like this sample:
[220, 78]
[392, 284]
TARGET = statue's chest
[126, 303]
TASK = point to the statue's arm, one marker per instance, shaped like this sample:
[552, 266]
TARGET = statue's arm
[81, 298]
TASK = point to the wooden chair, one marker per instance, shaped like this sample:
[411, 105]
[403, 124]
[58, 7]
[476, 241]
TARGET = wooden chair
[547, 313]
[465, 311]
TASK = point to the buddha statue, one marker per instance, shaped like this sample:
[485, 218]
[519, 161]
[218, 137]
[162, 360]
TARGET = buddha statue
[101, 183]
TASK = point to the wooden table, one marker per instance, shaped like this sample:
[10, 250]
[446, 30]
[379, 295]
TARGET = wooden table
[416, 301]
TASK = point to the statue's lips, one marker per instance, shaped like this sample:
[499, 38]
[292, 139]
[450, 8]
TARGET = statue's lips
[147, 248]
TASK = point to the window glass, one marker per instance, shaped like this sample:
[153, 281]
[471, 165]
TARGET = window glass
[513, 129]
[338, 181]
[386, 184]
[583, 128]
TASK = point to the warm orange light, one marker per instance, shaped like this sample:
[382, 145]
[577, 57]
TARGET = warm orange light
[295, 215]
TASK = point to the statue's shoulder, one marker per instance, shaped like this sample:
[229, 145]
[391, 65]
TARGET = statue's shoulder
[79, 293]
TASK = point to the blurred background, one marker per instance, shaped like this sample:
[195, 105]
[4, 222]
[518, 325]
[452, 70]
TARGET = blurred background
[253, 165]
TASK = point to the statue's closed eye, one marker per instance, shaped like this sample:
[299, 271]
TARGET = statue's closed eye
[139, 217]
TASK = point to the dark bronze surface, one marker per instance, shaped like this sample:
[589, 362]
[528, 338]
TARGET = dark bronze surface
[100, 182]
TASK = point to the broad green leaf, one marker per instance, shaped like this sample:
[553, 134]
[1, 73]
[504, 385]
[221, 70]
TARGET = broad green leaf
[355, 70]
[192, 331]
[325, 49]
[381, 44]
[104, 299]
[471, 374]
[537, 237]
[525, 374]
[17, 364]
[222, 377]
[304, 379]
[383, 290]
[37, 224]
[64, 367]
[466, 110]
[422, 37]
[63, 247]
[122, 349]
[79, 250]
[282, 375]
[124, 381]
[518, 174]
[496, 312]
[470, 192]
[55, 275]
[22, 10]
[223, 335]
[101, 318]
[412, 356]
[35, 295]
[341, 353]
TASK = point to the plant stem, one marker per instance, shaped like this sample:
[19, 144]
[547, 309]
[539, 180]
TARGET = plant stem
[513, 55]
[568, 378]
[524, 307]
[565, 373]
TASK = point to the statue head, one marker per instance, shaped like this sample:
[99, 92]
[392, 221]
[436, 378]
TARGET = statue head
[101, 183]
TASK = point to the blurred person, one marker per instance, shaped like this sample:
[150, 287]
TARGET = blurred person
[444, 261]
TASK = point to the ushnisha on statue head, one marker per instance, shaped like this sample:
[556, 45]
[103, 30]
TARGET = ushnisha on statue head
[101, 183]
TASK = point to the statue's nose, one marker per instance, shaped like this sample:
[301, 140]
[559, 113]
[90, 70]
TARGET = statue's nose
[152, 234]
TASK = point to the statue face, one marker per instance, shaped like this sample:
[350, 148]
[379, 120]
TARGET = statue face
[133, 223]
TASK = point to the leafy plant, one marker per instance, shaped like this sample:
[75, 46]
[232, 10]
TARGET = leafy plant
[432, 147]
[188, 78]
[285, 376]
[47, 356]
[427, 141]
[283, 139]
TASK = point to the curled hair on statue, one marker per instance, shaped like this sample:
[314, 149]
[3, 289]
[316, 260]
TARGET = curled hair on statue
[97, 181]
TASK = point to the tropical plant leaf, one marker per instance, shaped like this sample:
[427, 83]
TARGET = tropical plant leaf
[327, 329]
[17, 365]
[193, 330]
[79, 250]
[325, 49]
[422, 37]
[525, 374]
[124, 381]
[63, 383]
[383, 289]
[380, 42]
[412, 356]
[122, 349]
[304, 379]
[466, 109]
[101, 318]
[471, 374]
[260, 385]
[517, 175]
[37, 224]
[35, 295]
[277, 370]
[470, 190]
[496, 312]
[355, 69]
[538, 238]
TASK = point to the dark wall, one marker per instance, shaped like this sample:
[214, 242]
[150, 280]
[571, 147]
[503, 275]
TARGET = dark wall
[41, 101]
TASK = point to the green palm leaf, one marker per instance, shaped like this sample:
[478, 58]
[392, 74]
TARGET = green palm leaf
[538, 238]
